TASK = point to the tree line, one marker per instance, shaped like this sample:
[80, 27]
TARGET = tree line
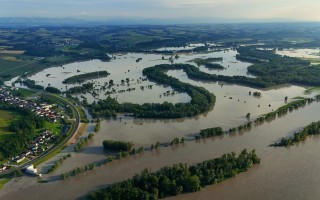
[32, 84]
[80, 89]
[83, 77]
[59, 162]
[210, 132]
[289, 107]
[312, 129]
[201, 99]
[208, 62]
[82, 142]
[275, 69]
[53, 90]
[117, 145]
[179, 178]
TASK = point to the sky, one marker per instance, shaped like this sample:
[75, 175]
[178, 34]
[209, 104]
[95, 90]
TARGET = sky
[293, 10]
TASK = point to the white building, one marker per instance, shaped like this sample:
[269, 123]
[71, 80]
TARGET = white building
[31, 170]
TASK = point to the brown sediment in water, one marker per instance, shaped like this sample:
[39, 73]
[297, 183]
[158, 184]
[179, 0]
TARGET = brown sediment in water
[280, 172]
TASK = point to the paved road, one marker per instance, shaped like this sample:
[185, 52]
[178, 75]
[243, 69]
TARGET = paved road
[55, 147]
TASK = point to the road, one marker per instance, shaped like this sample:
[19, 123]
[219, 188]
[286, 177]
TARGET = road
[55, 147]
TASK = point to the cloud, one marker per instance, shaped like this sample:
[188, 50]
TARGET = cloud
[252, 9]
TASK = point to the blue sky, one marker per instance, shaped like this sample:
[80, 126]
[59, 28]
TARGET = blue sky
[296, 10]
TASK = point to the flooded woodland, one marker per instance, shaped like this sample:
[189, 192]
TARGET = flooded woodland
[281, 169]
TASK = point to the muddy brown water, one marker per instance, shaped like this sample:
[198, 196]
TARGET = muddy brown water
[284, 173]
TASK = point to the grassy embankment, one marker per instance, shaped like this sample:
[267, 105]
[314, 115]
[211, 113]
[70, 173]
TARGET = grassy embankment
[3, 182]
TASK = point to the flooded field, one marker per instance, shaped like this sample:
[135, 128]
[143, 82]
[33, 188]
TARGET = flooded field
[300, 53]
[281, 169]
[144, 132]
[125, 66]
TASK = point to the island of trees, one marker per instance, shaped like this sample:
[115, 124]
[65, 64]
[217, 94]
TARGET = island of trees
[214, 66]
[210, 132]
[81, 89]
[117, 146]
[312, 129]
[179, 178]
[208, 62]
[83, 77]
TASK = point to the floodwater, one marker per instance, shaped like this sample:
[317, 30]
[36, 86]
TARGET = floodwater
[284, 173]
[125, 66]
[300, 53]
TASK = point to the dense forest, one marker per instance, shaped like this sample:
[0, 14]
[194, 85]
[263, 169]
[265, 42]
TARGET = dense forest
[312, 129]
[178, 179]
[24, 131]
[274, 69]
[83, 77]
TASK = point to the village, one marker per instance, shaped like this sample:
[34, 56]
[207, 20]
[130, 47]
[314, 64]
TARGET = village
[39, 143]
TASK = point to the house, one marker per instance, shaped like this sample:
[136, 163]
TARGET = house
[20, 159]
[2, 168]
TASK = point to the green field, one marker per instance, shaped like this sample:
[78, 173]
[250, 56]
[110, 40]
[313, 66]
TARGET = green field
[83, 115]
[10, 68]
[24, 92]
[54, 127]
[6, 117]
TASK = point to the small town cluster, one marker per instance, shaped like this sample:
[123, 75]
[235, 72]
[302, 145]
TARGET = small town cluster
[43, 141]
[37, 146]
[43, 110]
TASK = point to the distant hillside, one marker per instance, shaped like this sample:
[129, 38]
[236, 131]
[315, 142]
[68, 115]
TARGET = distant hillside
[27, 22]
[16, 22]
